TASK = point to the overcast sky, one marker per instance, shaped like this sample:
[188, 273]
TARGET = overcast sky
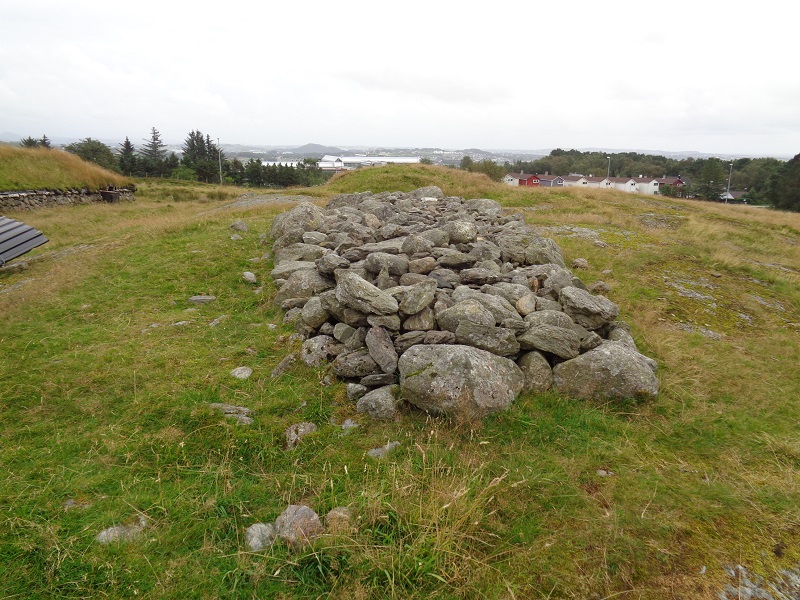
[703, 75]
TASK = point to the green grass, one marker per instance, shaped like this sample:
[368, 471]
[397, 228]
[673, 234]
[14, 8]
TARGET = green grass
[102, 408]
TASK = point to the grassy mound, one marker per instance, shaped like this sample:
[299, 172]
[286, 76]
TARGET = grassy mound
[107, 372]
[42, 169]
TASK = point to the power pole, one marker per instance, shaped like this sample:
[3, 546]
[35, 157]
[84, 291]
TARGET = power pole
[219, 156]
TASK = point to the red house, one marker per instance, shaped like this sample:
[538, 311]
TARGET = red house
[521, 179]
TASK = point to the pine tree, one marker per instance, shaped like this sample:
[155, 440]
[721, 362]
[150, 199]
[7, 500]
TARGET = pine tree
[44, 142]
[784, 187]
[154, 153]
[29, 142]
[127, 159]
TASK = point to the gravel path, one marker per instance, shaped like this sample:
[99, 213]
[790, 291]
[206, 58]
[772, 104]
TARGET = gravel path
[252, 199]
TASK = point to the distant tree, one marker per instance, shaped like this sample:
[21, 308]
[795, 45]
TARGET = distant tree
[29, 142]
[127, 160]
[94, 151]
[425, 161]
[234, 170]
[202, 155]
[467, 163]
[711, 182]
[183, 172]
[668, 190]
[153, 154]
[254, 172]
[783, 190]
[45, 142]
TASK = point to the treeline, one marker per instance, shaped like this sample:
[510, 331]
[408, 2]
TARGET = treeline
[706, 177]
[200, 160]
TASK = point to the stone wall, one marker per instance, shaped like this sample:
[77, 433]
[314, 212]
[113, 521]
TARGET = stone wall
[31, 199]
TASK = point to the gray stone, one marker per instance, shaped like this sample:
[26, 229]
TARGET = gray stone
[499, 307]
[580, 263]
[394, 264]
[424, 320]
[355, 364]
[390, 322]
[381, 349]
[422, 266]
[484, 207]
[621, 335]
[313, 313]
[418, 296]
[378, 380]
[382, 451]
[497, 340]
[439, 337]
[343, 331]
[612, 371]
[469, 310]
[287, 267]
[462, 382]
[298, 525]
[380, 403]
[480, 276]
[299, 251]
[429, 191]
[549, 317]
[287, 363]
[537, 372]
[405, 341]
[359, 294]
[303, 284]
[339, 521]
[416, 244]
[202, 299]
[242, 372]
[123, 533]
[239, 225]
[592, 312]
[355, 391]
[552, 339]
[461, 232]
[600, 287]
[456, 260]
[303, 217]
[295, 433]
[318, 350]
[259, 536]
[239, 413]
[329, 263]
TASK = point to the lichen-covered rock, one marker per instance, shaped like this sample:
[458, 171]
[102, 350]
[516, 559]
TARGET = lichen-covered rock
[537, 372]
[461, 382]
[612, 371]
[303, 217]
[592, 312]
[552, 339]
[381, 349]
[259, 536]
[298, 525]
[380, 403]
[359, 294]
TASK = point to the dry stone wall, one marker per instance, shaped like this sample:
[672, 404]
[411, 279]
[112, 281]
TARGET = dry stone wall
[32, 199]
[452, 305]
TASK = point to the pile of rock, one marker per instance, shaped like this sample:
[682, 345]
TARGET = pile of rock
[449, 304]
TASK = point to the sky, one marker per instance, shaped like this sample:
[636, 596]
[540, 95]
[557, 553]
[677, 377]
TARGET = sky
[701, 75]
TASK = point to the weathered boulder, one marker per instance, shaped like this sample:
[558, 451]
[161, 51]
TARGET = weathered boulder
[361, 295]
[497, 340]
[612, 371]
[381, 349]
[592, 312]
[459, 381]
[537, 372]
[470, 310]
[380, 403]
[303, 217]
[552, 339]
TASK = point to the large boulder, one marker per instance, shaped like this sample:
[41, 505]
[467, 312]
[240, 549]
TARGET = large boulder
[612, 371]
[458, 381]
[303, 217]
[592, 312]
[359, 294]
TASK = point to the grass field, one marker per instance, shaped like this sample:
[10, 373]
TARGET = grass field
[105, 416]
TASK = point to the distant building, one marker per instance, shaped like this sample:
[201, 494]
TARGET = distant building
[521, 179]
[347, 163]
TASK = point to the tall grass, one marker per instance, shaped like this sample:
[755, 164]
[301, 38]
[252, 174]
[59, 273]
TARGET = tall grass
[40, 168]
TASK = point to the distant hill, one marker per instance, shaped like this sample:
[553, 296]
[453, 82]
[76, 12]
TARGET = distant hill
[317, 149]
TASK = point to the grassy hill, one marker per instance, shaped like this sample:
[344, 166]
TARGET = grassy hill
[107, 371]
[39, 168]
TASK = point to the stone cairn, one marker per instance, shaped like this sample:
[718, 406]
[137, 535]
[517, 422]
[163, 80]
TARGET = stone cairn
[451, 305]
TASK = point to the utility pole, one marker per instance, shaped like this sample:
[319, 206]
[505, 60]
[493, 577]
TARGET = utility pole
[219, 157]
[728, 192]
[608, 173]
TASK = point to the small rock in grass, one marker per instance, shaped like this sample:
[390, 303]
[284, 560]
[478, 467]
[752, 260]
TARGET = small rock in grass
[122, 533]
[296, 432]
[218, 320]
[236, 237]
[298, 525]
[259, 536]
[202, 299]
[283, 366]
[339, 520]
[240, 413]
[249, 277]
[239, 225]
[382, 451]
[242, 372]
[349, 424]
[580, 263]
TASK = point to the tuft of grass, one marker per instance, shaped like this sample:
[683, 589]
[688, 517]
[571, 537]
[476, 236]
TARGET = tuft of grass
[40, 168]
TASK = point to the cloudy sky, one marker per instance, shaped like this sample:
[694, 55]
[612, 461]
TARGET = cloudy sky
[698, 75]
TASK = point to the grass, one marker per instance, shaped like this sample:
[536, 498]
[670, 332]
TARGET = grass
[102, 408]
[40, 168]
